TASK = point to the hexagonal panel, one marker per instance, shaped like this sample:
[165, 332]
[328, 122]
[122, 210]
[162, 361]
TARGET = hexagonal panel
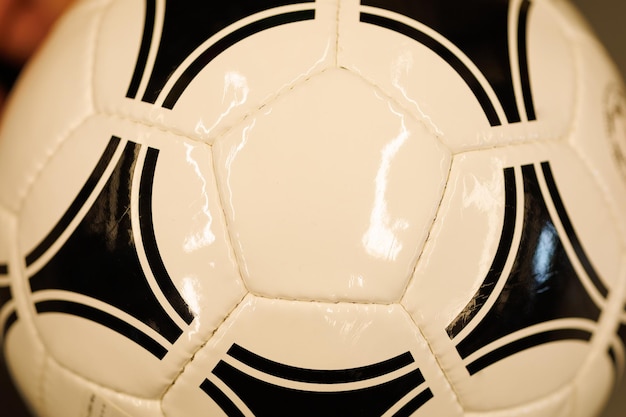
[198, 68]
[132, 262]
[511, 81]
[313, 359]
[520, 264]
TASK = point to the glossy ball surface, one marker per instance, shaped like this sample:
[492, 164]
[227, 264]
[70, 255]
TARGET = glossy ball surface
[315, 208]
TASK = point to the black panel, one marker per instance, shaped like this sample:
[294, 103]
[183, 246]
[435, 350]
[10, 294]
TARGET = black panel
[447, 55]
[77, 204]
[523, 59]
[542, 285]
[265, 399]
[319, 376]
[105, 319]
[415, 404]
[4, 269]
[151, 248]
[226, 42]
[221, 399]
[479, 28]
[99, 259]
[526, 343]
[571, 233]
[189, 23]
[495, 271]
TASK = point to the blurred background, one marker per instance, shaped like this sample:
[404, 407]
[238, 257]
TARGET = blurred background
[607, 17]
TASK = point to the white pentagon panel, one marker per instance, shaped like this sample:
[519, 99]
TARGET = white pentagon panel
[520, 262]
[132, 264]
[221, 72]
[313, 359]
[506, 90]
[327, 200]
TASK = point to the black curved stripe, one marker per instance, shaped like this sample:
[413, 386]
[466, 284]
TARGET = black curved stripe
[105, 319]
[144, 49]
[5, 295]
[188, 24]
[77, 204]
[571, 233]
[335, 376]
[415, 404]
[443, 52]
[10, 321]
[226, 42]
[159, 271]
[497, 266]
[522, 51]
[479, 29]
[621, 333]
[227, 406]
[5, 290]
[526, 343]
[368, 401]
[613, 357]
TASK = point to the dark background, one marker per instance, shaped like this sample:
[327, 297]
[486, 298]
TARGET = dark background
[608, 18]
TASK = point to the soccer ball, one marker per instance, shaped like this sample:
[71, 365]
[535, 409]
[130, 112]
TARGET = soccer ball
[315, 208]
